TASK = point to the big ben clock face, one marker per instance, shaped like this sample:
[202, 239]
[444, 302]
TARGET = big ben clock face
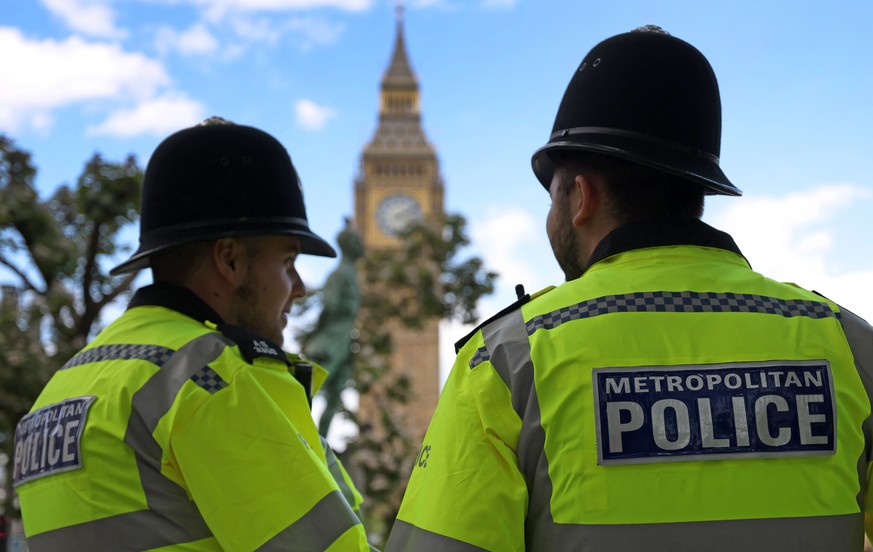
[396, 213]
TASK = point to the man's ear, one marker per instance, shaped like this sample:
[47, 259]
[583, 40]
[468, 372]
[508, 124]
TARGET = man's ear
[227, 256]
[584, 200]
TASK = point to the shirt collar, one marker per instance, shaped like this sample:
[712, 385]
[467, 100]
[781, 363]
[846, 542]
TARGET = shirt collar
[660, 233]
[176, 298]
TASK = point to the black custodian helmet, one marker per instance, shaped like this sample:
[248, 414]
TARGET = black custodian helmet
[646, 97]
[219, 179]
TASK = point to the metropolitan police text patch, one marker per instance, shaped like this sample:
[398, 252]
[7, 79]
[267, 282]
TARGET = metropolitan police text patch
[48, 440]
[719, 411]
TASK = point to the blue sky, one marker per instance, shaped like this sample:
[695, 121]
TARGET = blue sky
[112, 76]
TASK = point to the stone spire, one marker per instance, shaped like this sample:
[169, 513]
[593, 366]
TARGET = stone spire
[399, 72]
[399, 129]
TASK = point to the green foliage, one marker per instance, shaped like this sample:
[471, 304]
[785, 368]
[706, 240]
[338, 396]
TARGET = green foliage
[426, 278]
[54, 284]
[24, 363]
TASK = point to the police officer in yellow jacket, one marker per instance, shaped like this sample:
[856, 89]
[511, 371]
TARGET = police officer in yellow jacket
[183, 425]
[666, 397]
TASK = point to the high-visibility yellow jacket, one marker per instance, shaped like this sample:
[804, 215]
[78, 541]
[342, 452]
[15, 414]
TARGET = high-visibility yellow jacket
[170, 432]
[670, 399]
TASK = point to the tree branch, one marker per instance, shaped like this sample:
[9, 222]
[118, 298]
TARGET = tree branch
[90, 263]
[117, 290]
[91, 311]
[18, 272]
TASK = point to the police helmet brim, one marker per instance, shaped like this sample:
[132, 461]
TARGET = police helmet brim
[310, 243]
[697, 167]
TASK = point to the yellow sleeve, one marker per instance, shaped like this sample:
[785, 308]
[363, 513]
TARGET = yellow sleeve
[252, 461]
[466, 488]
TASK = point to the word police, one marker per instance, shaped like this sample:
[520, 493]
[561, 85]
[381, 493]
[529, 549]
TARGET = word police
[666, 413]
[47, 440]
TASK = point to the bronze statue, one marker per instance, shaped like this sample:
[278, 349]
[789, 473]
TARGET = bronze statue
[330, 342]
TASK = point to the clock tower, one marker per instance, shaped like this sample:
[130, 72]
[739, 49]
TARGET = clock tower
[400, 183]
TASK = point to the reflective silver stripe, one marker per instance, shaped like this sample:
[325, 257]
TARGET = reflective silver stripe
[319, 528]
[809, 534]
[680, 301]
[539, 524]
[168, 501]
[859, 334]
[334, 469]
[509, 349]
[123, 533]
[171, 517]
[406, 537]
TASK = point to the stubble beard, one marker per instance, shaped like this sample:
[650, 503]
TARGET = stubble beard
[568, 259]
[248, 316]
[565, 245]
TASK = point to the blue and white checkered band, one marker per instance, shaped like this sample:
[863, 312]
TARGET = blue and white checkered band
[481, 355]
[209, 380]
[155, 354]
[719, 411]
[680, 301]
[48, 440]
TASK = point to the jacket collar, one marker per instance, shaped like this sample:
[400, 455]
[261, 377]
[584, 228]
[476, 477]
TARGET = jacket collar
[660, 233]
[177, 298]
[251, 344]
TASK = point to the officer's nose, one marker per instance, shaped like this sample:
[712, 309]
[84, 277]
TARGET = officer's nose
[298, 288]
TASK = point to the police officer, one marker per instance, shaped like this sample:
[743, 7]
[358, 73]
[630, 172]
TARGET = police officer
[183, 425]
[666, 397]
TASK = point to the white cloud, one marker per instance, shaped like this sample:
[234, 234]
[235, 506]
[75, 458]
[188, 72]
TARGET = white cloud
[256, 29]
[195, 40]
[90, 17]
[287, 5]
[44, 75]
[311, 116]
[456, 5]
[158, 116]
[791, 238]
[242, 31]
[219, 9]
[513, 242]
[314, 31]
[791, 233]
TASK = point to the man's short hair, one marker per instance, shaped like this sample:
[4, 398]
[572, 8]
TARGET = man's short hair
[175, 264]
[638, 192]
